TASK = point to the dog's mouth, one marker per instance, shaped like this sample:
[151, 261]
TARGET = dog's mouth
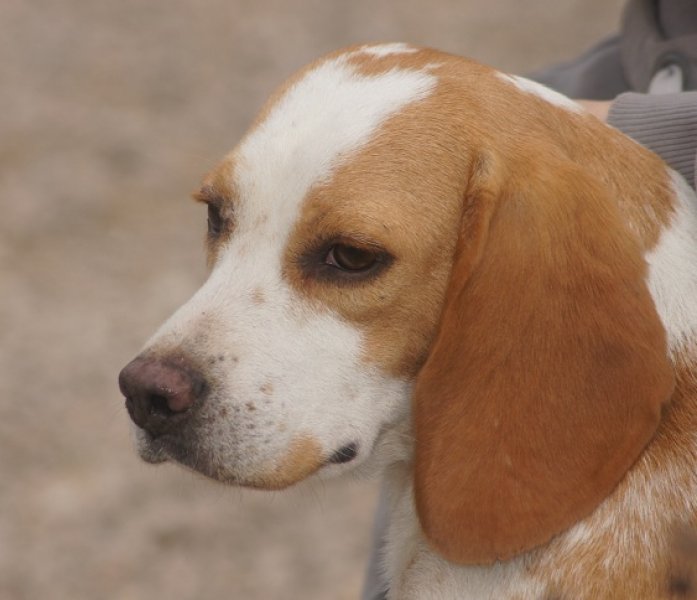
[344, 454]
[300, 462]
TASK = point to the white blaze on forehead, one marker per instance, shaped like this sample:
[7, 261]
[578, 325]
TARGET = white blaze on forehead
[542, 91]
[330, 112]
[673, 269]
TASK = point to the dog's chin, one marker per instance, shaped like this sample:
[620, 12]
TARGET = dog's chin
[149, 449]
[302, 464]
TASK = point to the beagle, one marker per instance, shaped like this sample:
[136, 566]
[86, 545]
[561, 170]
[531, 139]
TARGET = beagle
[423, 267]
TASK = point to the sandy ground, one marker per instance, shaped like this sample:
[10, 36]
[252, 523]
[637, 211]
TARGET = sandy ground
[109, 113]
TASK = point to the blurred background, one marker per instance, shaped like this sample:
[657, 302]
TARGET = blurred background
[110, 111]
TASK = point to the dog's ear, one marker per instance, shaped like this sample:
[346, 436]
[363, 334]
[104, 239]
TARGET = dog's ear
[549, 368]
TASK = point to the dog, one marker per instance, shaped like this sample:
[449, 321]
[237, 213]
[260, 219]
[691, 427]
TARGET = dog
[423, 267]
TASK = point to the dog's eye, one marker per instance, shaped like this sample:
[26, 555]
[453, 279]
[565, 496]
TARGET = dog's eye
[350, 258]
[345, 261]
[215, 221]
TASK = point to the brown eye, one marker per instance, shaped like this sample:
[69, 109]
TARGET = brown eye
[342, 262]
[350, 258]
[215, 221]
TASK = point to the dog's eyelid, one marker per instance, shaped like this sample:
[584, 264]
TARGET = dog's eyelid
[204, 194]
[320, 260]
[359, 241]
[208, 195]
[221, 210]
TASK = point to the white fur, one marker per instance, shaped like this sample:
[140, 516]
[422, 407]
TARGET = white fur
[417, 573]
[673, 270]
[314, 362]
[542, 91]
[382, 50]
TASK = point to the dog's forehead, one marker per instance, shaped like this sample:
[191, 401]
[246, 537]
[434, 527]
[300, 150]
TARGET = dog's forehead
[329, 112]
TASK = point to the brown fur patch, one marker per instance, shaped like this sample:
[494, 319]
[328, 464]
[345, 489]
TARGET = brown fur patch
[383, 308]
[406, 189]
[301, 460]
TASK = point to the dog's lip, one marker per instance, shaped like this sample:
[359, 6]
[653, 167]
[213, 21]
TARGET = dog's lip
[150, 448]
[168, 447]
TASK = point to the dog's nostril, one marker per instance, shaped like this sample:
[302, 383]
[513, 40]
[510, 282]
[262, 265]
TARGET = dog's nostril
[159, 392]
[159, 405]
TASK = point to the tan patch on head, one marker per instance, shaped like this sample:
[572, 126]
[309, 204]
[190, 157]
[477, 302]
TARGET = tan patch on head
[407, 188]
[400, 193]
[302, 459]
[386, 306]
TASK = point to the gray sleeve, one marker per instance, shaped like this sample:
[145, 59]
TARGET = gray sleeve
[665, 124]
[595, 75]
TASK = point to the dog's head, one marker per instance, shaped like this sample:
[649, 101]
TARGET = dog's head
[398, 224]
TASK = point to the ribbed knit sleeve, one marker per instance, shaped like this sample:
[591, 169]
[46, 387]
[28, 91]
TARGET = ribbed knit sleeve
[665, 123]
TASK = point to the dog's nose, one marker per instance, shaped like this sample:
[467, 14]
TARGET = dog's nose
[159, 392]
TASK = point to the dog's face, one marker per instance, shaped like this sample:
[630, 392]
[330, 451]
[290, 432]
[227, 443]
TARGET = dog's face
[398, 223]
[328, 263]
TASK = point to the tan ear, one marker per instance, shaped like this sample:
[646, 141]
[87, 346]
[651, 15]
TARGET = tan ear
[548, 372]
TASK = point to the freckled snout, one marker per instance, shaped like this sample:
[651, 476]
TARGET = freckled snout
[160, 392]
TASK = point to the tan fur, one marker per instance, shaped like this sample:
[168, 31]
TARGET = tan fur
[353, 207]
[528, 419]
[302, 459]
[405, 191]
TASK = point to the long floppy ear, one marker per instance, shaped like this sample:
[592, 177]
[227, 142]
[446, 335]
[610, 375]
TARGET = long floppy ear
[548, 372]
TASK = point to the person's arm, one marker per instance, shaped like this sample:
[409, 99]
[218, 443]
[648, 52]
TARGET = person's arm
[598, 108]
